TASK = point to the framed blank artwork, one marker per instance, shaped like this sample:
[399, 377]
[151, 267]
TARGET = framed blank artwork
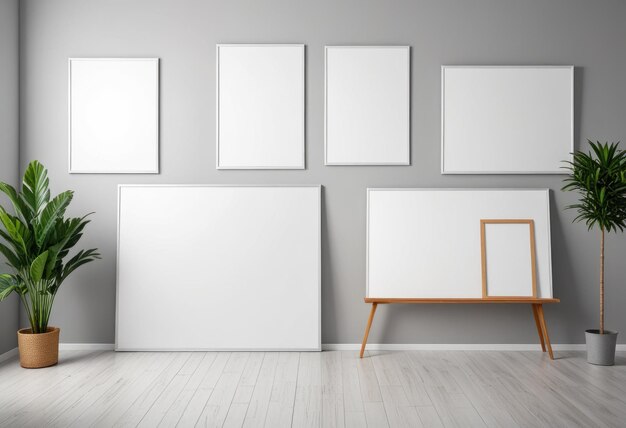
[420, 242]
[242, 271]
[367, 112]
[114, 115]
[260, 107]
[508, 258]
[506, 119]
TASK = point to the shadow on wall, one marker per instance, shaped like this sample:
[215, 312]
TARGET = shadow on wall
[579, 73]
[329, 309]
[563, 277]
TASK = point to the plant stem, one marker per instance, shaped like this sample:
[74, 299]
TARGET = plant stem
[602, 282]
[28, 311]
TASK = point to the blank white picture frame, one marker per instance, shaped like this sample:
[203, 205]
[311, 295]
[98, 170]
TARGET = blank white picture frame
[425, 243]
[231, 268]
[367, 105]
[506, 119]
[508, 257]
[260, 106]
[113, 115]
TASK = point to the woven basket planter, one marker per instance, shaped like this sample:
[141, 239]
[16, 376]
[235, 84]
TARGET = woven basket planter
[38, 350]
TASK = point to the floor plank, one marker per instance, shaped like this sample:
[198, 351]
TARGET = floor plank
[283, 395]
[375, 414]
[260, 399]
[92, 394]
[354, 411]
[36, 399]
[310, 389]
[132, 417]
[125, 391]
[176, 409]
[217, 407]
[307, 411]
[200, 395]
[159, 408]
[368, 382]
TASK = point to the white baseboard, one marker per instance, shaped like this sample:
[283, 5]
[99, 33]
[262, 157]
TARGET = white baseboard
[455, 347]
[86, 346]
[371, 347]
[8, 354]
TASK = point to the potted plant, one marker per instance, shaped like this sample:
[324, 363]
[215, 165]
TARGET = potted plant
[599, 177]
[37, 240]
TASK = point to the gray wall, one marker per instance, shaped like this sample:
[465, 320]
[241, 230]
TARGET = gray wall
[9, 103]
[183, 34]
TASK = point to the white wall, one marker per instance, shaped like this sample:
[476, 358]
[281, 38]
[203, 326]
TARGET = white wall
[9, 105]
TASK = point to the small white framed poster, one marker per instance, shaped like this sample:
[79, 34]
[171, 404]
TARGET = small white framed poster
[260, 106]
[367, 105]
[113, 115]
[506, 119]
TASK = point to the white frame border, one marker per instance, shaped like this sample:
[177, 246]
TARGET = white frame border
[559, 172]
[319, 265]
[217, 105]
[408, 143]
[69, 115]
[447, 189]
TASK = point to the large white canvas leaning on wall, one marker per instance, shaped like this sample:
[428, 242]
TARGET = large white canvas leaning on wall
[260, 107]
[218, 268]
[425, 243]
[113, 115]
[367, 112]
[506, 119]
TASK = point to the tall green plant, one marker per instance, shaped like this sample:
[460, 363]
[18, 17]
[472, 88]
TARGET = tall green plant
[37, 239]
[599, 177]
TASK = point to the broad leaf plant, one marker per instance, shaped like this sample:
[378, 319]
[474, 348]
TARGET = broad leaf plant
[36, 243]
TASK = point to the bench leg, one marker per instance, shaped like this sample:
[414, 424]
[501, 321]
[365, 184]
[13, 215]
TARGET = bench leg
[544, 329]
[367, 329]
[538, 324]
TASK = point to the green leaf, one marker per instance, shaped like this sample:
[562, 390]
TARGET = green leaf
[11, 257]
[16, 230]
[18, 250]
[50, 214]
[67, 233]
[18, 204]
[38, 266]
[35, 191]
[7, 285]
[78, 260]
[602, 195]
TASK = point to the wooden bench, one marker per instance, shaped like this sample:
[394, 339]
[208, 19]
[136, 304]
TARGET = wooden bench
[536, 304]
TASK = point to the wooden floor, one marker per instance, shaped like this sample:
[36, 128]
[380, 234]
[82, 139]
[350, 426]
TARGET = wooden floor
[330, 389]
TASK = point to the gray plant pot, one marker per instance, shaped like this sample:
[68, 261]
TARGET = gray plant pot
[601, 347]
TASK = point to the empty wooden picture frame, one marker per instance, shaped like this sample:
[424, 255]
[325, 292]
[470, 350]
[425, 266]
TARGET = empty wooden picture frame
[367, 105]
[260, 106]
[508, 258]
[113, 115]
[506, 119]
